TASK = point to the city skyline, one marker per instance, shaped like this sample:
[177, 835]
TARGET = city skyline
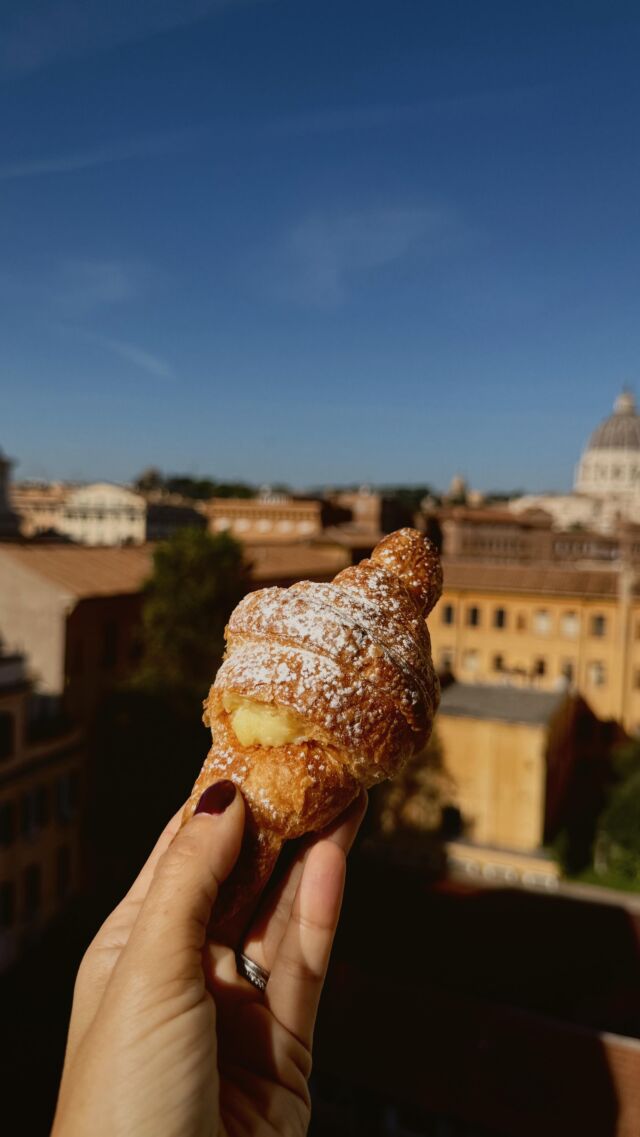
[379, 244]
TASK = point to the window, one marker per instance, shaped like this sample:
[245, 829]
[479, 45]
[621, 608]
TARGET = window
[63, 871]
[542, 622]
[29, 815]
[448, 614]
[473, 617]
[598, 625]
[470, 660]
[7, 824]
[539, 667]
[66, 797]
[43, 806]
[32, 890]
[7, 736]
[499, 618]
[7, 904]
[568, 670]
[497, 663]
[446, 659]
[110, 644]
[570, 625]
[596, 673]
[521, 622]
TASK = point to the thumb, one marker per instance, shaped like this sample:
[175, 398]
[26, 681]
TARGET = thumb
[170, 931]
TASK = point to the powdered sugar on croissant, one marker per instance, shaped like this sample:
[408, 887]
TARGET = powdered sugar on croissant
[324, 689]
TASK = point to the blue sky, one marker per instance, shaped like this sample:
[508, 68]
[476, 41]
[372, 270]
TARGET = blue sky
[317, 242]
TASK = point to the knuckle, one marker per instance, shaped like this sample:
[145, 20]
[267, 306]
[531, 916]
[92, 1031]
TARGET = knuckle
[181, 857]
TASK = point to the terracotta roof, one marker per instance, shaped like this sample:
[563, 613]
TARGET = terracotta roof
[80, 571]
[529, 519]
[351, 536]
[295, 561]
[484, 577]
[501, 703]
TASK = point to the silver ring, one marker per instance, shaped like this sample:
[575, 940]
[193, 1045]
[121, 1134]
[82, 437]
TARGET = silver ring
[252, 971]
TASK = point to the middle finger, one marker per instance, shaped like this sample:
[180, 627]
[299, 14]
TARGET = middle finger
[264, 935]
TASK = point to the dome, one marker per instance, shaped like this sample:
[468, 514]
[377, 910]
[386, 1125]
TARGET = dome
[622, 430]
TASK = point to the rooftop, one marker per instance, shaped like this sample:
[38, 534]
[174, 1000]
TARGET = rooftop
[295, 561]
[479, 576]
[82, 571]
[351, 536]
[486, 515]
[501, 703]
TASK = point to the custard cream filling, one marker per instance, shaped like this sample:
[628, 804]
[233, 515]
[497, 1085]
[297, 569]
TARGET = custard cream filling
[261, 724]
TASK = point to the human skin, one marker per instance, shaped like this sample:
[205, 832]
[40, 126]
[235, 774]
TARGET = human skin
[165, 1038]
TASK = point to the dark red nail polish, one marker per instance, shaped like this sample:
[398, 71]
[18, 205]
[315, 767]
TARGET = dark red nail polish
[216, 798]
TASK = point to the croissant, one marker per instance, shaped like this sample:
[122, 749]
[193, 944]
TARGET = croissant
[324, 689]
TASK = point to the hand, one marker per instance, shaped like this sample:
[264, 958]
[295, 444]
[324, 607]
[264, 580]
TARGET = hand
[165, 1038]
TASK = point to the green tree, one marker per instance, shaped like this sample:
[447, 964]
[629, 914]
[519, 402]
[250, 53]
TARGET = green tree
[619, 834]
[196, 582]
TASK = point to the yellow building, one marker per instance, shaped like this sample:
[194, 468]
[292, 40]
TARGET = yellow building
[494, 741]
[268, 517]
[40, 787]
[524, 766]
[544, 627]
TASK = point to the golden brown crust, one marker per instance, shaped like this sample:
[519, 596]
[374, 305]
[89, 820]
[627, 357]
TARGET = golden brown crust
[353, 659]
[415, 559]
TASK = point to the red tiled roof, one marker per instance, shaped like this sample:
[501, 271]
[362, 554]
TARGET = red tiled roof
[82, 571]
[485, 577]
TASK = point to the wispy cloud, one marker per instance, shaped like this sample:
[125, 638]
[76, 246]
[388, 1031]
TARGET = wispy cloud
[35, 33]
[157, 144]
[132, 353]
[323, 258]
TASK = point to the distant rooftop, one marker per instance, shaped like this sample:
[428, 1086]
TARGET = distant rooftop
[500, 703]
[552, 579]
[82, 571]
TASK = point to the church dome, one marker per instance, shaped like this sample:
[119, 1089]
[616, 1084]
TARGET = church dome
[610, 465]
[621, 431]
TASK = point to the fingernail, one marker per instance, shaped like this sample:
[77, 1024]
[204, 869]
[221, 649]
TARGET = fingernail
[216, 798]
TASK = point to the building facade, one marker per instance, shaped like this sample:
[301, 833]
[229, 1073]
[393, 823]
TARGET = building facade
[39, 506]
[97, 514]
[104, 514]
[525, 765]
[270, 517]
[75, 613]
[544, 627]
[41, 789]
